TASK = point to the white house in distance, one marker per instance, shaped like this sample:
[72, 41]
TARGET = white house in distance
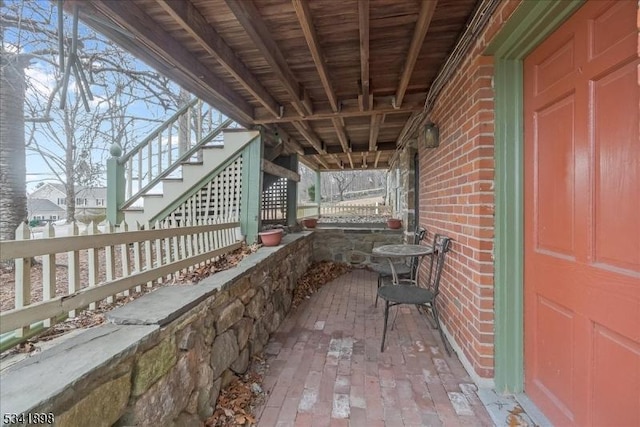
[91, 202]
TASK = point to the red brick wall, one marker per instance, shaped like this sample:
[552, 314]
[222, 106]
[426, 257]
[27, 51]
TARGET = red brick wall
[457, 198]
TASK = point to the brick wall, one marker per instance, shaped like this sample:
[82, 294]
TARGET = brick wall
[457, 198]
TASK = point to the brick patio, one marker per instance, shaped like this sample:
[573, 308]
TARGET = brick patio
[326, 367]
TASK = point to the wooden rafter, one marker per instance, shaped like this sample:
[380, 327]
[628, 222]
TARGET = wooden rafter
[289, 142]
[349, 108]
[310, 136]
[350, 157]
[304, 17]
[136, 21]
[338, 125]
[251, 21]
[320, 160]
[375, 164]
[277, 170]
[363, 25]
[357, 148]
[422, 26]
[192, 21]
[374, 129]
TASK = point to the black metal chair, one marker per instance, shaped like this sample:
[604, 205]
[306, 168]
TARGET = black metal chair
[405, 291]
[403, 270]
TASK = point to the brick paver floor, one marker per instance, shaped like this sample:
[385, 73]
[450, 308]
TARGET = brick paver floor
[326, 368]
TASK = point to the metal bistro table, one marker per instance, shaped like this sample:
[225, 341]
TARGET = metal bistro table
[392, 252]
[406, 288]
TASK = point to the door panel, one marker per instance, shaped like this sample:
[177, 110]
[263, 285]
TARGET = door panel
[582, 219]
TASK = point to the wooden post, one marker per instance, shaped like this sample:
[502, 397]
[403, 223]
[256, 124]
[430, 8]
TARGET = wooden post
[115, 186]
[292, 192]
[318, 191]
[251, 199]
[48, 272]
[73, 267]
[23, 277]
[92, 258]
[109, 260]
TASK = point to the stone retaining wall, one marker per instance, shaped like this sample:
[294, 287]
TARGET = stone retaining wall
[162, 359]
[352, 245]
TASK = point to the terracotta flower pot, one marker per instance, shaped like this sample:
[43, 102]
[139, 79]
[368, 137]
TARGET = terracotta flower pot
[394, 223]
[271, 237]
[310, 222]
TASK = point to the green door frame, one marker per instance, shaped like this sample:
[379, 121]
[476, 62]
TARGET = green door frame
[529, 25]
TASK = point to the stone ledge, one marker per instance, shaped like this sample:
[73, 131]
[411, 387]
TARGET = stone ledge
[167, 304]
[24, 387]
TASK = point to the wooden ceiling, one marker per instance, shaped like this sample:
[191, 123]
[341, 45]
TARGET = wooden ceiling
[335, 80]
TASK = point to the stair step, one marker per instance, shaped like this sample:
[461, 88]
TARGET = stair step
[172, 179]
[192, 163]
[154, 195]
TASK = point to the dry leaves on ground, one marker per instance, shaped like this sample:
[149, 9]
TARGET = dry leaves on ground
[237, 401]
[316, 276]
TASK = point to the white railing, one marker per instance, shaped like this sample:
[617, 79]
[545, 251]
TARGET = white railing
[354, 210]
[307, 211]
[179, 139]
[100, 266]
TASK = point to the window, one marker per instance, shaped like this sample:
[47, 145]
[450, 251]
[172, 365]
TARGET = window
[99, 202]
[81, 202]
[62, 201]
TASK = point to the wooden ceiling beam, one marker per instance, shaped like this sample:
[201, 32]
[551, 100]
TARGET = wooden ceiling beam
[350, 108]
[422, 26]
[251, 21]
[363, 27]
[375, 164]
[134, 20]
[338, 125]
[350, 157]
[306, 22]
[320, 160]
[374, 129]
[192, 21]
[288, 141]
[360, 148]
[310, 136]
[280, 171]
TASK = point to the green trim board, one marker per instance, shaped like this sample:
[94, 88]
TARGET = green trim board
[251, 201]
[529, 25]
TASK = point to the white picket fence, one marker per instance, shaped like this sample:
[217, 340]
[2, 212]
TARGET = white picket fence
[116, 262]
[311, 210]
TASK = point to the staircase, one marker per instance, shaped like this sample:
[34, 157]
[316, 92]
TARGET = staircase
[193, 158]
[192, 175]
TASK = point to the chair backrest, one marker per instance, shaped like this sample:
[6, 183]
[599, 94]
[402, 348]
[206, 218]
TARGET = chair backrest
[441, 245]
[418, 236]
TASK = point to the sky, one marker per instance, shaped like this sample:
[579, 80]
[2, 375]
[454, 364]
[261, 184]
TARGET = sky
[42, 75]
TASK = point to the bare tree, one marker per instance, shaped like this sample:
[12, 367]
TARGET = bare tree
[74, 142]
[13, 187]
[343, 179]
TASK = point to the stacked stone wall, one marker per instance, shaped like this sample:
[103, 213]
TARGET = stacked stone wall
[162, 359]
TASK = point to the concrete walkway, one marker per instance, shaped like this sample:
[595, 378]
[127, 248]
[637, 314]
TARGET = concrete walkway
[326, 368]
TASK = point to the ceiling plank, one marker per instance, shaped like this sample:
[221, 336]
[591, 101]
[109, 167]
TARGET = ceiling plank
[363, 26]
[422, 26]
[249, 17]
[383, 146]
[304, 17]
[137, 22]
[192, 21]
[350, 108]
[277, 170]
[374, 129]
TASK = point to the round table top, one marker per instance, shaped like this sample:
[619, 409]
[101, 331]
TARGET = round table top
[402, 250]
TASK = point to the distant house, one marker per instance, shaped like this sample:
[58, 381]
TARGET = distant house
[90, 201]
[44, 210]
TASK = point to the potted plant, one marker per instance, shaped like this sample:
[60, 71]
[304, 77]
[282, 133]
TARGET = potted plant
[394, 223]
[310, 222]
[271, 237]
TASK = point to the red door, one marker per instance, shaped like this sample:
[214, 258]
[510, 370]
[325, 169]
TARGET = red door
[582, 219]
